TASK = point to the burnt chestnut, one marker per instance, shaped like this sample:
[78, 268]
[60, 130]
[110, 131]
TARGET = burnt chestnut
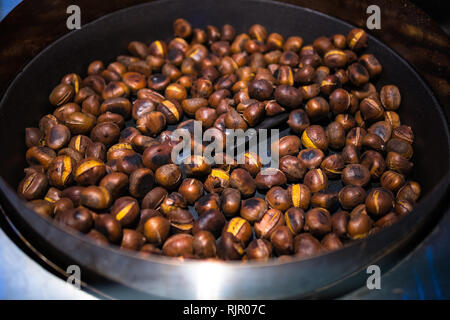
[151, 123]
[171, 202]
[181, 220]
[217, 181]
[355, 174]
[311, 158]
[333, 165]
[298, 120]
[207, 202]
[154, 198]
[288, 96]
[229, 247]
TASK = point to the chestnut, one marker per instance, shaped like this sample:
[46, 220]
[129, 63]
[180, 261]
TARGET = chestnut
[212, 221]
[241, 180]
[217, 181]
[392, 180]
[298, 120]
[306, 246]
[355, 174]
[293, 168]
[269, 222]
[359, 223]
[97, 198]
[270, 177]
[252, 163]
[311, 158]
[335, 134]
[79, 219]
[318, 221]
[168, 176]
[207, 202]
[156, 230]
[398, 163]
[125, 210]
[278, 198]
[259, 249]
[181, 220]
[400, 146]
[33, 186]
[288, 145]
[191, 189]
[357, 39]
[300, 195]
[171, 202]
[107, 225]
[151, 123]
[390, 97]
[379, 202]
[410, 191]
[331, 242]
[403, 207]
[314, 137]
[333, 165]
[350, 196]
[339, 221]
[239, 228]
[230, 202]
[295, 220]
[325, 199]
[154, 198]
[204, 245]
[229, 247]
[316, 180]
[178, 245]
[288, 96]
[253, 209]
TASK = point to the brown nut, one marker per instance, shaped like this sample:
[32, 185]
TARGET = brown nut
[306, 246]
[359, 223]
[33, 186]
[61, 94]
[298, 120]
[339, 221]
[269, 178]
[157, 156]
[204, 245]
[331, 242]
[191, 189]
[398, 163]
[278, 198]
[318, 221]
[333, 165]
[57, 136]
[151, 123]
[171, 202]
[207, 202]
[355, 174]
[350, 196]
[168, 176]
[252, 163]
[239, 228]
[212, 221]
[269, 222]
[42, 156]
[60, 173]
[314, 137]
[259, 249]
[316, 180]
[311, 158]
[230, 202]
[401, 147]
[392, 180]
[79, 219]
[97, 198]
[335, 134]
[229, 247]
[403, 207]
[217, 181]
[289, 145]
[295, 220]
[125, 210]
[379, 202]
[325, 199]
[132, 240]
[293, 168]
[41, 207]
[410, 191]
[154, 198]
[288, 96]
[241, 180]
[80, 123]
[156, 230]
[178, 245]
[390, 97]
[141, 182]
[107, 225]
[300, 195]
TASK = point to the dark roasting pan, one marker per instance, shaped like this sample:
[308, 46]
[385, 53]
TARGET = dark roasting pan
[26, 101]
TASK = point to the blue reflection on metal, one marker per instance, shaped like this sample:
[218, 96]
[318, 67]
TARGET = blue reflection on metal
[6, 6]
[434, 278]
[419, 285]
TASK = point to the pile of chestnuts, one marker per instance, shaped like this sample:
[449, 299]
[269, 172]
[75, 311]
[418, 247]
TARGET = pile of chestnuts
[101, 162]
